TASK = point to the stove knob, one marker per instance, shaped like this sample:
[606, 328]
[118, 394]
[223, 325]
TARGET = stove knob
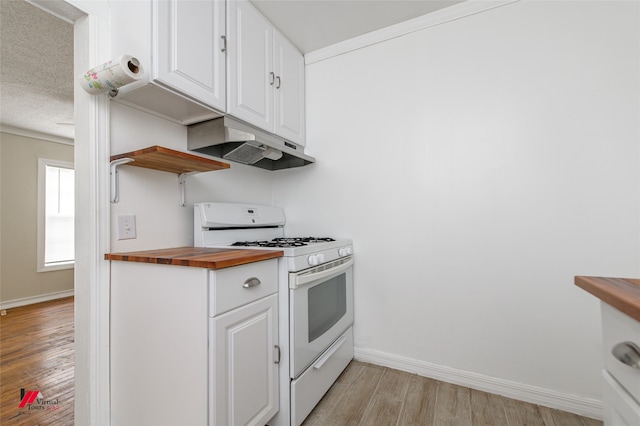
[320, 258]
[344, 251]
[313, 260]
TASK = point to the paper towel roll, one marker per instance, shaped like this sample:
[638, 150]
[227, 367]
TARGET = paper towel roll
[111, 75]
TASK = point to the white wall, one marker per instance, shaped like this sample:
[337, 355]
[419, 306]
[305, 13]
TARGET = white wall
[478, 166]
[153, 195]
[20, 283]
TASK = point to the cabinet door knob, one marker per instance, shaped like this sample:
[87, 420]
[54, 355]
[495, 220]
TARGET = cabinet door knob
[627, 353]
[224, 43]
[278, 80]
[251, 282]
[272, 78]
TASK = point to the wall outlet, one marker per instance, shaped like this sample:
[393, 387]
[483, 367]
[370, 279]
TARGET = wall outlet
[126, 226]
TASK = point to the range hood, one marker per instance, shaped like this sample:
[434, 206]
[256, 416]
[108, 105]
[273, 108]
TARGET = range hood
[233, 140]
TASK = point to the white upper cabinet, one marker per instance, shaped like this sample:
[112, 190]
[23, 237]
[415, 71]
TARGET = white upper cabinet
[180, 46]
[265, 85]
[250, 58]
[204, 58]
[289, 93]
[189, 47]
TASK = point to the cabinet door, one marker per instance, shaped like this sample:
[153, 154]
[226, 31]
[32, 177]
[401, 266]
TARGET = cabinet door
[188, 48]
[289, 93]
[244, 372]
[250, 65]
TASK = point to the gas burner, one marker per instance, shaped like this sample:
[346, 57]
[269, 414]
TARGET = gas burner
[304, 239]
[317, 239]
[276, 243]
[252, 243]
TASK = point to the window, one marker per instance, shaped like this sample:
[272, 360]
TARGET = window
[56, 216]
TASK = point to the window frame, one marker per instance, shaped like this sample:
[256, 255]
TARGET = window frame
[41, 208]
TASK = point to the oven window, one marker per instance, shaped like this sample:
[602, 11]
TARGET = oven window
[327, 305]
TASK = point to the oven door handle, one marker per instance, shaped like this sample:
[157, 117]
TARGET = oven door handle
[303, 279]
[332, 350]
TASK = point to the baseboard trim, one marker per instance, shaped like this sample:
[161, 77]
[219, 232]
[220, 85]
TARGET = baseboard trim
[35, 299]
[582, 406]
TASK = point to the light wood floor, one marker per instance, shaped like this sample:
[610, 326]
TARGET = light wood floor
[36, 353]
[367, 394]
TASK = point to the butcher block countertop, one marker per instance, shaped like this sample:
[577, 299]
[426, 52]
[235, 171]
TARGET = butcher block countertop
[621, 293]
[198, 257]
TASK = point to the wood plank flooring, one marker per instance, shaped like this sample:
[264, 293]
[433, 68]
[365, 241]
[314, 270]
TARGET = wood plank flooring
[367, 394]
[36, 353]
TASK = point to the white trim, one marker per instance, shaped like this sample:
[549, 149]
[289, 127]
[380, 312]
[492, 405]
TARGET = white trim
[91, 157]
[588, 407]
[451, 13]
[35, 135]
[35, 299]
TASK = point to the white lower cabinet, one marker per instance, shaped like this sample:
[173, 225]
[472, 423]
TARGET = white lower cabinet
[180, 355]
[621, 345]
[245, 366]
[620, 409]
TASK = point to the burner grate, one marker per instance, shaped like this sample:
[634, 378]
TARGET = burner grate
[284, 242]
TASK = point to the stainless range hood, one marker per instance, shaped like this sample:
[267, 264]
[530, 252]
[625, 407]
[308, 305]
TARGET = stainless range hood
[233, 140]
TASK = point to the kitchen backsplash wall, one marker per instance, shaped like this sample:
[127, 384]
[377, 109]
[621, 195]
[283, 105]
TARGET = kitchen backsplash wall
[478, 166]
[153, 195]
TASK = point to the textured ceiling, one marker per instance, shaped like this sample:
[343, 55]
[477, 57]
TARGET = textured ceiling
[36, 49]
[36, 69]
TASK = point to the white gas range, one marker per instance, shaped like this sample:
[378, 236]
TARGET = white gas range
[315, 298]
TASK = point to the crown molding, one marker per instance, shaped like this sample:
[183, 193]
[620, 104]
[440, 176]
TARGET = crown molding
[452, 13]
[35, 135]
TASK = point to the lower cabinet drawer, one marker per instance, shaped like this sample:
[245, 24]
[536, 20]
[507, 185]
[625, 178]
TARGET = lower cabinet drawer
[623, 333]
[620, 409]
[310, 387]
[236, 286]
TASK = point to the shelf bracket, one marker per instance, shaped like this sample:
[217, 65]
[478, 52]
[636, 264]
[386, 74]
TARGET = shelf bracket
[181, 187]
[113, 172]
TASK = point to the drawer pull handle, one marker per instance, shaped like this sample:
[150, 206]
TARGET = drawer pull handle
[329, 353]
[276, 347]
[627, 353]
[251, 282]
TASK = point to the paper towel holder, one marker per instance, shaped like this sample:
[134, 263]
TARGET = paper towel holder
[108, 77]
[134, 66]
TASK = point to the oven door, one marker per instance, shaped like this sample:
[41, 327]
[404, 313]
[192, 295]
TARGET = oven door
[321, 309]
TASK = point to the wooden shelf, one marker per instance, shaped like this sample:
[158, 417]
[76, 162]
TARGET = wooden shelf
[164, 159]
[169, 160]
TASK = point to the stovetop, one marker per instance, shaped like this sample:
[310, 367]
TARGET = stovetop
[284, 242]
[261, 227]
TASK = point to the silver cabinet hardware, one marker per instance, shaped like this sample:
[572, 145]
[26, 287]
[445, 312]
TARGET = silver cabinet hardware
[251, 282]
[272, 79]
[278, 79]
[627, 353]
[224, 43]
[277, 361]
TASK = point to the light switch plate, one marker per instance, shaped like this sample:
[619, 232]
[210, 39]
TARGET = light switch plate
[126, 226]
